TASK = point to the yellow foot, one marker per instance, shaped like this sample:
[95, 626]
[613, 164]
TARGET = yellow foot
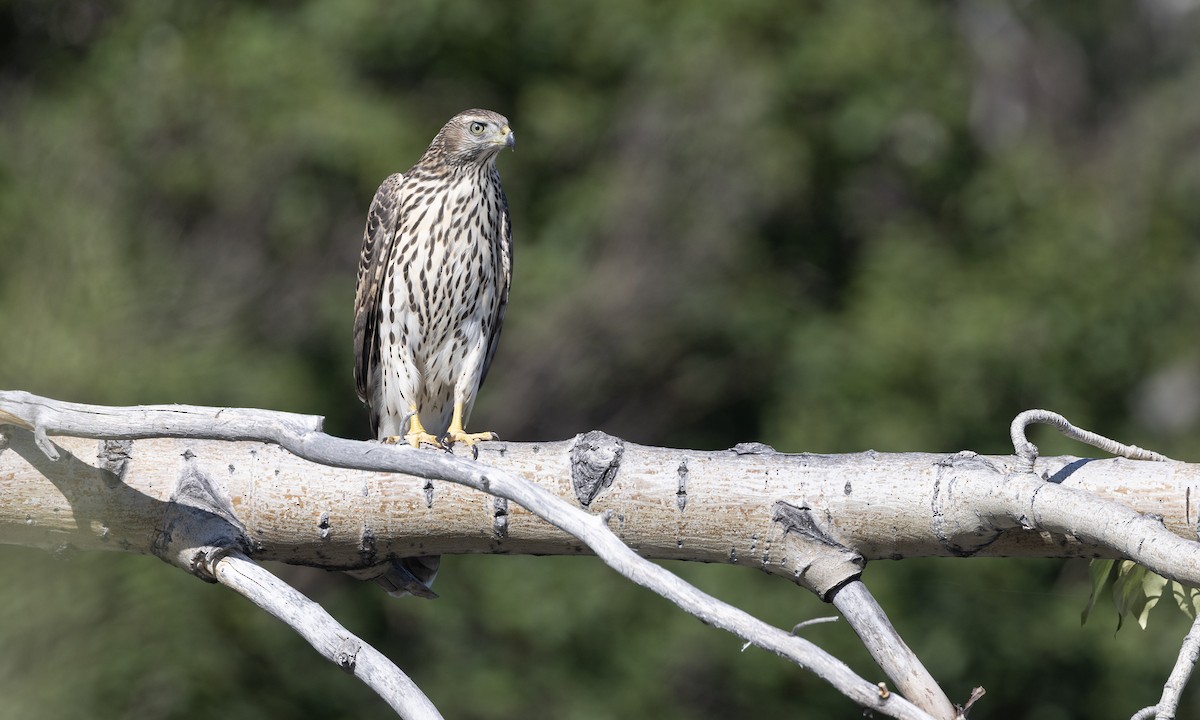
[456, 434]
[454, 437]
[416, 435]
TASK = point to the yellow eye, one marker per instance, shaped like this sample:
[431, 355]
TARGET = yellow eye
[476, 128]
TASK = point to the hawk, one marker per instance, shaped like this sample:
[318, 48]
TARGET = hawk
[433, 284]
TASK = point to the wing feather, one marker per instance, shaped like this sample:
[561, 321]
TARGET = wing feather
[506, 260]
[378, 238]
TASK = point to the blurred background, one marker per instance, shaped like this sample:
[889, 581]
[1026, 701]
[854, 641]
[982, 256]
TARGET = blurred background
[824, 226]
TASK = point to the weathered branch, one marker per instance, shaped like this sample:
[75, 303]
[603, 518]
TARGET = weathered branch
[298, 436]
[871, 623]
[109, 495]
[326, 635]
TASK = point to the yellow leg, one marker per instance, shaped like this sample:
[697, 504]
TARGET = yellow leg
[416, 433]
[456, 434]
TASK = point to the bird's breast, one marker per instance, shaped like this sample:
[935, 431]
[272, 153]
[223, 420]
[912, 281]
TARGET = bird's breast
[443, 284]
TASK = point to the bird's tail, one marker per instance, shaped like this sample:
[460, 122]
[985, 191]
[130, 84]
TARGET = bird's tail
[404, 576]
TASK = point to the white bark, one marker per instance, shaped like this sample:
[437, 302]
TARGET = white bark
[884, 506]
[887, 647]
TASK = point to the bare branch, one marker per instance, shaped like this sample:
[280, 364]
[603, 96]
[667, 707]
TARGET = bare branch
[900, 663]
[108, 495]
[326, 635]
[1168, 704]
[1078, 514]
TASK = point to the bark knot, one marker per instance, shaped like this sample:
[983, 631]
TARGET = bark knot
[199, 525]
[114, 456]
[800, 520]
[595, 459]
[346, 655]
[500, 517]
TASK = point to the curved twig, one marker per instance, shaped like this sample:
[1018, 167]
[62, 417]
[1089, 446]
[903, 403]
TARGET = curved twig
[1027, 452]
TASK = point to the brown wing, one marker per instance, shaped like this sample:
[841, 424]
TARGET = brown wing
[378, 237]
[506, 260]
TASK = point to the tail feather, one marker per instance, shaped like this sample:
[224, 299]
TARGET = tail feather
[405, 576]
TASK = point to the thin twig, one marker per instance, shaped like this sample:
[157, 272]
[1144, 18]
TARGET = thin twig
[801, 625]
[976, 694]
[326, 635]
[814, 621]
[1027, 452]
[1168, 704]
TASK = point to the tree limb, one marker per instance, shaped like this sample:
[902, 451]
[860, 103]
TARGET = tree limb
[299, 436]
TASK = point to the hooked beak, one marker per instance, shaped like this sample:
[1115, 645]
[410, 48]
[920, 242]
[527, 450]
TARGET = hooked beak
[510, 137]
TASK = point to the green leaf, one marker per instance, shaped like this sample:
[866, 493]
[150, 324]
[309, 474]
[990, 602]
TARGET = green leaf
[1102, 572]
[1127, 590]
[1136, 591]
[1151, 592]
[1187, 598]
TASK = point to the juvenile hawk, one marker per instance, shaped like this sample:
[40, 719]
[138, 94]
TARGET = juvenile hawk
[432, 288]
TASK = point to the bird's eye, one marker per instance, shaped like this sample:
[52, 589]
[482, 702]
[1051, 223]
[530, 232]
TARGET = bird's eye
[476, 128]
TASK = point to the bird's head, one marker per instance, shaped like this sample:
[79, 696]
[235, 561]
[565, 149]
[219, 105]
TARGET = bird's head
[473, 137]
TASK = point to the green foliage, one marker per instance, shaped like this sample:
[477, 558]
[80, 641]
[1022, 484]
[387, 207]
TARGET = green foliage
[1136, 591]
[826, 226]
